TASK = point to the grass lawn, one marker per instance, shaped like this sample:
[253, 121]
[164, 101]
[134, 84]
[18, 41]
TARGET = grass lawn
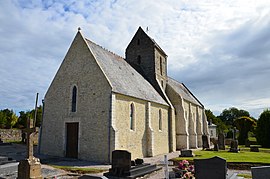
[244, 156]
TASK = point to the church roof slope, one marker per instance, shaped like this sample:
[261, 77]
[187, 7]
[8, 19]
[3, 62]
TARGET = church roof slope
[183, 91]
[123, 78]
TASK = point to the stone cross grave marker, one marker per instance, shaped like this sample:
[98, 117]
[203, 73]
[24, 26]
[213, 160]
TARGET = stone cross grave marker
[212, 168]
[30, 167]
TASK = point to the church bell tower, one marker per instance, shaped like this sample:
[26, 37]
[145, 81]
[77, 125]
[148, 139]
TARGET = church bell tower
[146, 56]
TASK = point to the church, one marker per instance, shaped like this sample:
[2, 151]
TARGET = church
[99, 102]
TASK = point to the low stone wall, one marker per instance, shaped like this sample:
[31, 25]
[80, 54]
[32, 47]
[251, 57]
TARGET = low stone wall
[15, 135]
[11, 134]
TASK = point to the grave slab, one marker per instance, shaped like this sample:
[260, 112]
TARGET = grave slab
[260, 172]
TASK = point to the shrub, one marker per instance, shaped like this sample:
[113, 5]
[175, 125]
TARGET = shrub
[263, 126]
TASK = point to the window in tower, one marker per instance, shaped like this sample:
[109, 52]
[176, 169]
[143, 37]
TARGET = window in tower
[139, 59]
[160, 65]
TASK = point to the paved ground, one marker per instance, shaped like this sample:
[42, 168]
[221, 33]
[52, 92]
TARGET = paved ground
[18, 152]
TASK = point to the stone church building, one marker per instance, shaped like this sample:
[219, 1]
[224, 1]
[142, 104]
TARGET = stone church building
[99, 102]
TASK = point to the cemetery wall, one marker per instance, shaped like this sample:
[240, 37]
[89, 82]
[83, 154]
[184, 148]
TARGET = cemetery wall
[11, 134]
[16, 135]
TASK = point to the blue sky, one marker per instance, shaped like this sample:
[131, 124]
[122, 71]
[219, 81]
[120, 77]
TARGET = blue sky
[220, 50]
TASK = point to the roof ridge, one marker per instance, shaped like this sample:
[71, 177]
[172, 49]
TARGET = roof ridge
[105, 49]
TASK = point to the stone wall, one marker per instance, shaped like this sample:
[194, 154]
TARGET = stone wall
[79, 69]
[11, 134]
[145, 139]
[15, 135]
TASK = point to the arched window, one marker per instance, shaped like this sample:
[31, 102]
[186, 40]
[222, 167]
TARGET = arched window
[132, 117]
[160, 120]
[160, 63]
[74, 99]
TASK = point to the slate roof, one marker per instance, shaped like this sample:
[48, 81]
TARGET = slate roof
[123, 78]
[181, 89]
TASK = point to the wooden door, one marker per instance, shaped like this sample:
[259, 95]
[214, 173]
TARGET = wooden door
[72, 139]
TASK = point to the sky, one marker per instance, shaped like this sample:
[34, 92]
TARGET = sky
[219, 49]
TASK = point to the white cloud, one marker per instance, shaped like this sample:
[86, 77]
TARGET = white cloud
[218, 48]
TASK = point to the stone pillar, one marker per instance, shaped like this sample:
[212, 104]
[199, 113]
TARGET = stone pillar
[205, 126]
[171, 128]
[149, 131]
[199, 127]
[192, 128]
[182, 136]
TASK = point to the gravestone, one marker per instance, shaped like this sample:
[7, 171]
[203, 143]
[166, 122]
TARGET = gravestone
[30, 167]
[260, 172]
[121, 162]
[186, 153]
[121, 166]
[205, 142]
[221, 141]
[212, 168]
[234, 146]
[254, 149]
[216, 147]
[139, 161]
[1, 142]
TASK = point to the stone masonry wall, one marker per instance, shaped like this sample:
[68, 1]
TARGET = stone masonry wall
[11, 134]
[136, 141]
[79, 69]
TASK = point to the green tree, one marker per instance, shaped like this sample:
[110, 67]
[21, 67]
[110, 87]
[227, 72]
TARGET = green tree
[244, 124]
[221, 127]
[22, 122]
[228, 116]
[3, 119]
[263, 126]
[8, 118]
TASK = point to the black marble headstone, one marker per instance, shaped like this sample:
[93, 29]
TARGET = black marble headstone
[121, 162]
[212, 168]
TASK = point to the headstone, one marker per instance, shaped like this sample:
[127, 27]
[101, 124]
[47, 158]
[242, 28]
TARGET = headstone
[121, 162]
[186, 153]
[234, 146]
[212, 168]
[254, 149]
[216, 147]
[221, 141]
[205, 142]
[30, 167]
[139, 161]
[121, 166]
[260, 172]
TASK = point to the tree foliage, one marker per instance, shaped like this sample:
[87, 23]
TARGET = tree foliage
[263, 126]
[244, 124]
[7, 118]
[228, 116]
